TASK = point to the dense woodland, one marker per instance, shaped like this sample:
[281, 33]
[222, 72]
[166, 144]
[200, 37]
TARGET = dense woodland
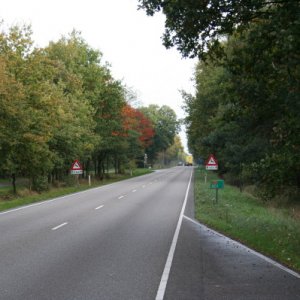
[61, 103]
[246, 108]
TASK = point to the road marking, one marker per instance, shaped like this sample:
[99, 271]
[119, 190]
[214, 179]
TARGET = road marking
[99, 207]
[24, 207]
[59, 226]
[269, 260]
[143, 186]
[66, 196]
[120, 197]
[165, 276]
[133, 191]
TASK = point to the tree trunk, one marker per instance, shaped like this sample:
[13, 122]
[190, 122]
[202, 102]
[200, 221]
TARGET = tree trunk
[87, 168]
[103, 169]
[100, 168]
[13, 176]
[116, 164]
[107, 164]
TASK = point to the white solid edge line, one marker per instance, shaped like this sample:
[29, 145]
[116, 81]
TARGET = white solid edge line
[165, 276]
[269, 260]
[59, 226]
[23, 207]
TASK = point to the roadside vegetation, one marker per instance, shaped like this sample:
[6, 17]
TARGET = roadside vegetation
[246, 107]
[60, 103]
[266, 226]
[245, 111]
[24, 196]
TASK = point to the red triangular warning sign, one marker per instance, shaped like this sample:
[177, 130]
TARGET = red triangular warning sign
[211, 163]
[76, 165]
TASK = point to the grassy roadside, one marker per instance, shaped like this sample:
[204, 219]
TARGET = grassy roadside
[25, 197]
[265, 228]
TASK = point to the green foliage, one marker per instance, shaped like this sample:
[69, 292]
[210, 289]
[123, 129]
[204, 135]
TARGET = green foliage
[197, 28]
[165, 126]
[40, 183]
[57, 104]
[246, 108]
[175, 153]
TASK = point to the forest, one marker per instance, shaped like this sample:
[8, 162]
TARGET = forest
[246, 107]
[60, 103]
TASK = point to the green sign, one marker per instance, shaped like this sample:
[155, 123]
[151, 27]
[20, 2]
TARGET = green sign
[217, 184]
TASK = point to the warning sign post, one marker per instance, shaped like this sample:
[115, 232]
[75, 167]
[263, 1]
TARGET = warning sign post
[76, 168]
[211, 163]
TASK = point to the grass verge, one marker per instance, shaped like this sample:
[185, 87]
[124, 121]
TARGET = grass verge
[261, 226]
[25, 197]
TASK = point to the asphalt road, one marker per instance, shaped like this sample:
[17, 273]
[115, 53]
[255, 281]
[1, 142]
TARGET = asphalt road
[134, 239]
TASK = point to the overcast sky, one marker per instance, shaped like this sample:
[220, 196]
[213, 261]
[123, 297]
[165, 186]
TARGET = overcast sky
[129, 40]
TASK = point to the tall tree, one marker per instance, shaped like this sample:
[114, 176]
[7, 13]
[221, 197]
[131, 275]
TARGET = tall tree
[12, 120]
[246, 112]
[195, 27]
[28, 153]
[93, 94]
[166, 126]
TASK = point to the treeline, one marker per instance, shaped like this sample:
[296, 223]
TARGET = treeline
[61, 103]
[246, 109]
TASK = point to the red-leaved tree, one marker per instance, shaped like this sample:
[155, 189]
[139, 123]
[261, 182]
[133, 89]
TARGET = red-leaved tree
[135, 120]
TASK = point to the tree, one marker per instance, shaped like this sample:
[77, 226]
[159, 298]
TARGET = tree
[135, 120]
[269, 94]
[175, 153]
[44, 91]
[136, 133]
[165, 126]
[246, 108]
[26, 148]
[94, 95]
[108, 117]
[246, 112]
[196, 27]
[12, 120]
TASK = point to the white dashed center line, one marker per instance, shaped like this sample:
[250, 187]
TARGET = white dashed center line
[120, 197]
[99, 207]
[59, 226]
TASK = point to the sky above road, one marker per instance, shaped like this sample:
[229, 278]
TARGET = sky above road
[129, 40]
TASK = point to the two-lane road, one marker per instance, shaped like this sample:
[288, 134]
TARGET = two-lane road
[134, 239]
[106, 243]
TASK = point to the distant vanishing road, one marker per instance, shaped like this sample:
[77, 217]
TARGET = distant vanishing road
[134, 239]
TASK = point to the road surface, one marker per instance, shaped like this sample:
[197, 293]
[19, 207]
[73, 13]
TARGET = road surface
[134, 239]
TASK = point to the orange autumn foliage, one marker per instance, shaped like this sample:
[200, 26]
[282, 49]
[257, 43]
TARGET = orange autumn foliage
[134, 120]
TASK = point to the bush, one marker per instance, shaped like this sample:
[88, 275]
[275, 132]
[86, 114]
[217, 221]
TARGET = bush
[70, 180]
[40, 183]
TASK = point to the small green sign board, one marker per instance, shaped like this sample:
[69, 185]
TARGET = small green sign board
[217, 184]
